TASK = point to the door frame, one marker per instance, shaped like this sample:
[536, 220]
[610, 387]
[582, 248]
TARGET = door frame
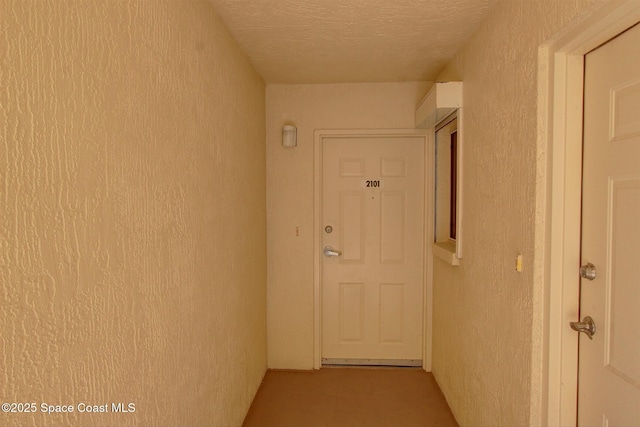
[558, 206]
[427, 307]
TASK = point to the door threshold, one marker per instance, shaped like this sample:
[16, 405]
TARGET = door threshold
[371, 362]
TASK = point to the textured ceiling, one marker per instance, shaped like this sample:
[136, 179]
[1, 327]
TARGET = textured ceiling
[335, 41]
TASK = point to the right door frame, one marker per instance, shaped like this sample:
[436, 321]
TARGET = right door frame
[558, 204]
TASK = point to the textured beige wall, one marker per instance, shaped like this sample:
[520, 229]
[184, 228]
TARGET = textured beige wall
[132, 207]
[487, 339]
[290, 194]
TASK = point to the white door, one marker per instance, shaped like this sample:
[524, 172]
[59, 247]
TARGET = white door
[373, 218]
[609, 364]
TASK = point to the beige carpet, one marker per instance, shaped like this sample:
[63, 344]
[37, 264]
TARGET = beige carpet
[345, 397]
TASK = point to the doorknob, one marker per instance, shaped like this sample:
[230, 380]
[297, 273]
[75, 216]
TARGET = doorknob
[587, 326]
[328, 251]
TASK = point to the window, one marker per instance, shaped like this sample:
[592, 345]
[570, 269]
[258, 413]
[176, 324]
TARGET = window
[453, 187]
[442, 110]
[447, 181]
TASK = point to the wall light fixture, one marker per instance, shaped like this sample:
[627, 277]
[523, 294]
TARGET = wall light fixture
[289, 136]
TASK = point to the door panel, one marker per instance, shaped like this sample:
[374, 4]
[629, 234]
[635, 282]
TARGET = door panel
[373, 198]
[351, 312]
[353, 220]
[609, 373]
[392, 227]
[392, 302]
[623, 290]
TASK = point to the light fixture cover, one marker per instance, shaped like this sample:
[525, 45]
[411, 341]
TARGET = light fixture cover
[289, 136]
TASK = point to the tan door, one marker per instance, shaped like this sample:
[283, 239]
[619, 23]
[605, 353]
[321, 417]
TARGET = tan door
[373, 217]
[609, 364]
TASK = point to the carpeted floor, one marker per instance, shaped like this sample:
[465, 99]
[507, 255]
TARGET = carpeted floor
[345, 397]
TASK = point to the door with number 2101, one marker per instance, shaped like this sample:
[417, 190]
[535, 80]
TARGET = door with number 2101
[373, 261]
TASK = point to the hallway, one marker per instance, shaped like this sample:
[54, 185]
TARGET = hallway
[349, 397]
[155, 230]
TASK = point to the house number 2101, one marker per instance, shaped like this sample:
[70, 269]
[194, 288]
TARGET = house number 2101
[372, 183]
